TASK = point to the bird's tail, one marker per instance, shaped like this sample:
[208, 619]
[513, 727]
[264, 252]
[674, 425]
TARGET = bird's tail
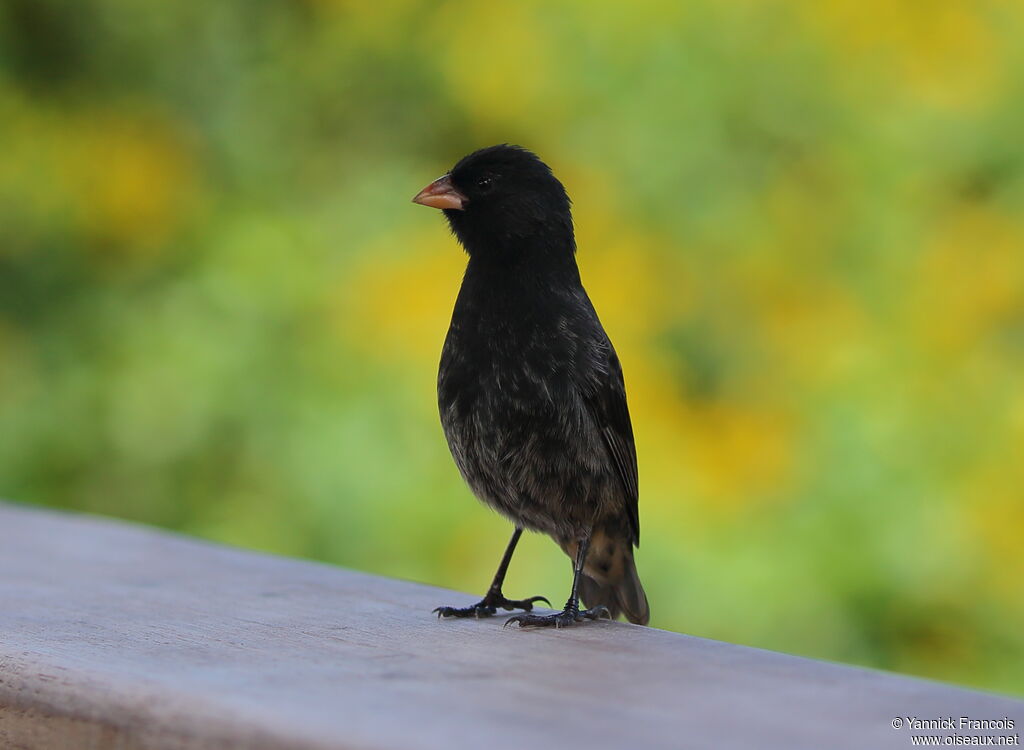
[615, 584]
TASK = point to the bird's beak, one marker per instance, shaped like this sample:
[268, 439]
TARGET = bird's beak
[441, 194]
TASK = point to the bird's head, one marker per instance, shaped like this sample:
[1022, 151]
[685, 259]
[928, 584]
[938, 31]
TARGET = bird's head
[503, 201]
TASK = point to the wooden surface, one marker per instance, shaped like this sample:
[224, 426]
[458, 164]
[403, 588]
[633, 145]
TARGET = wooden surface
[115, 636]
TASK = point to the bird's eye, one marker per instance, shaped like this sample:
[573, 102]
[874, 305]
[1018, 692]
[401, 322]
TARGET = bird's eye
[484, 184]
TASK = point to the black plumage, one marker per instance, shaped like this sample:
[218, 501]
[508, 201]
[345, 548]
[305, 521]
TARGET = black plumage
[530, 390]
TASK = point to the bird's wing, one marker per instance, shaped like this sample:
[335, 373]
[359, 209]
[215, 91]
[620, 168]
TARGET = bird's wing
[605, 396]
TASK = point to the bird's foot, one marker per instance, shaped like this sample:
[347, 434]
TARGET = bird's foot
[489, 605]
[568, 616]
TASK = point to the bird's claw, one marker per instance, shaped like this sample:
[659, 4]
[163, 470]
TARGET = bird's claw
[488, 606]
[563, 619]
[477, 610]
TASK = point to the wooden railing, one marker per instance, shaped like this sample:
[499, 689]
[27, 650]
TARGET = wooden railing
[121, 637]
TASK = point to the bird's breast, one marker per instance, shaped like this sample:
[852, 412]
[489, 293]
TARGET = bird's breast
[511, 367]
[519, 365]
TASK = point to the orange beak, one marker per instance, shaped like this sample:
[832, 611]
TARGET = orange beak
[441, 194]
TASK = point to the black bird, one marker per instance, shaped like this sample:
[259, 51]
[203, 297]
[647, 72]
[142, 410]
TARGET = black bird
[530, 389]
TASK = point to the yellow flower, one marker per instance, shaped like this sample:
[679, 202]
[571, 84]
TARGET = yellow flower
[739, 453]
[500, 61]
[398, 306]
[131, 179]
[970, 280]
[993, 506]
[946, 52]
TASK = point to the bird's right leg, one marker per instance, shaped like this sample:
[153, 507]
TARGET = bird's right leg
[494, 598]
[572, 612]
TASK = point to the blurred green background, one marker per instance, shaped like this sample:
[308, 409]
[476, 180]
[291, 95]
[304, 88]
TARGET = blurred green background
[802, 222]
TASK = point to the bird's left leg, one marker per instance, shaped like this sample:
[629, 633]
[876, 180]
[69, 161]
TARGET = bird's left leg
[572, 612]
[494, 598]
